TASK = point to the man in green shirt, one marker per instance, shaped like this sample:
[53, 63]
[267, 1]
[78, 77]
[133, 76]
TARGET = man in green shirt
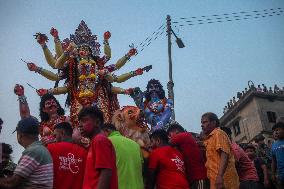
[129, 159]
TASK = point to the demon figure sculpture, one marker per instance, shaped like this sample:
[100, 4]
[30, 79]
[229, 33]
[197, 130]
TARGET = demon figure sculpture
[156, 107]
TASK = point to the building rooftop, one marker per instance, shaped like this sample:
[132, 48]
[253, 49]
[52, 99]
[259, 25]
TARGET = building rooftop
[235, 105]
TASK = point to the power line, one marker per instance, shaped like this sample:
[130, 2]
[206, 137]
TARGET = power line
[227, 17]
[207, 19]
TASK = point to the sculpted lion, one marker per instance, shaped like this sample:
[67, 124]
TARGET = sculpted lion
[130, 123]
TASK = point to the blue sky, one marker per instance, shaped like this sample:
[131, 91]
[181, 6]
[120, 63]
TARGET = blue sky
[217, 62]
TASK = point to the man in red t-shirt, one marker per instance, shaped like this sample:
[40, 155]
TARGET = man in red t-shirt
[166, 166]
[194, 163]
[69, 159]
[100, 170]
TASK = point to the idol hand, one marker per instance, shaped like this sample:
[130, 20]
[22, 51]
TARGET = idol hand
[41, 92]
[19, 90]
[107, 35]
[54, 32]
[32, 67]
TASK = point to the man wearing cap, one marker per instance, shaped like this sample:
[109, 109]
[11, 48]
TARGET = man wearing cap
[278, 155]
[35, 167]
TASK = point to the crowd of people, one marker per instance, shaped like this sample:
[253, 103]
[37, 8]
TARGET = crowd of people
[177, 159]
[259, 89]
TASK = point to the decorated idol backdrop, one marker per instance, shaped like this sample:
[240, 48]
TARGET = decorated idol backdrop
[87, 73]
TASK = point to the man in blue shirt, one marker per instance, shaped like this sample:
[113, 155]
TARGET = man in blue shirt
[278, 155]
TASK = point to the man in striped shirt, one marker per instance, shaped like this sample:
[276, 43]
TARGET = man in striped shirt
[35, 167]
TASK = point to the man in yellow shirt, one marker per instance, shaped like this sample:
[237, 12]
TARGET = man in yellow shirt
[220, 162]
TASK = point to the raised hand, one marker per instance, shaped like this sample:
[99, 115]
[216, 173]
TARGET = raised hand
[32, 67]
[132, 52]
[54, 32]
[19, 90]
[41, 38]
[128, 91]
[107, 35]
[139, 71]
[41, 92]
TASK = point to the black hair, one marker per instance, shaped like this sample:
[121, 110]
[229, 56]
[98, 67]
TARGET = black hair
[160, 134]
[44, 116]
[227, 131]
[6, 148]
[161, 92]
[66, 127]
[92, 111]
[259, 137]
[212, 117]
[1, 121]
[278, 125]
[109, 126]
[175, 126]
[250, 146]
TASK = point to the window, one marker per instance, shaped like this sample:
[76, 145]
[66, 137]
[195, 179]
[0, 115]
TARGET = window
[271, 117]
[236, 128]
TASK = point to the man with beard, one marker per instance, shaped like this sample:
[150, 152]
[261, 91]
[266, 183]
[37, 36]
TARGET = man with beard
[100, 172]
[51, 113]
[156, 107]
[220, 161]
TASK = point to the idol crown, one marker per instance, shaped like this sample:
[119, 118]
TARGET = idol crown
[83, 36]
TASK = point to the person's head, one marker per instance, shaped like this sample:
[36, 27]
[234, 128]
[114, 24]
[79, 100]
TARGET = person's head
[278, 128]
[154, 88]
[62, 131]
[175, 129]
[91, 119]
[259, 139]
[209, 121]
[49, 106]
[159, 138]
[227, 131]
[76, 135]
[6, 154]
[275, 137]
[250, 151]
[108, 128]
[27, 131]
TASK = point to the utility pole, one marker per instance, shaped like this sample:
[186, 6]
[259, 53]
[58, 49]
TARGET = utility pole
[170, 84]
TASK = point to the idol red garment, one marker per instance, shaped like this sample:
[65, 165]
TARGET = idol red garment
[168, 163]
[245, 167]
[69, 162]
[194, 162]
[101, 155]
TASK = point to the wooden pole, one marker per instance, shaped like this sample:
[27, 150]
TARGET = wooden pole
[170, 84]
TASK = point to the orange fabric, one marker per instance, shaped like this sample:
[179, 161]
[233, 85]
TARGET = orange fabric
[218, 140]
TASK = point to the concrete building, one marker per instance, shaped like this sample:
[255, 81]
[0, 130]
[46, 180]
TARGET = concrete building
[255, 112]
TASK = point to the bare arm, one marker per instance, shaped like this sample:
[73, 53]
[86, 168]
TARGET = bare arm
[104, 179]
[265, 174]
[224, 158]
[23, 104]
[11, 182]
